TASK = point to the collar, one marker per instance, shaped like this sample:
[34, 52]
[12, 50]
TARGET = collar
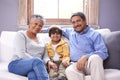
[60, 43]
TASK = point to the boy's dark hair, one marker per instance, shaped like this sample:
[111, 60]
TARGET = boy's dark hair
[81, 14]
[54, 30]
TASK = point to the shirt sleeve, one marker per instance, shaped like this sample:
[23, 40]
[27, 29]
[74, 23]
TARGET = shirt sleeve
[20, 45]
[99, 47]
[66, 52]
[66, 32]
[45, 56]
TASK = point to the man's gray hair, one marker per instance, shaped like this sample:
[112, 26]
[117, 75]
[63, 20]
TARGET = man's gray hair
[41, 18]
[80, 14]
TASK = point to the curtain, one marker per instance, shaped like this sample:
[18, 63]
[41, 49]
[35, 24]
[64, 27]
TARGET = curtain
[91, 11]
[25, 10]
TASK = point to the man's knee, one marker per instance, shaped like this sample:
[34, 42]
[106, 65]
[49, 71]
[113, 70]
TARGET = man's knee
[95, 58]
[73, 74]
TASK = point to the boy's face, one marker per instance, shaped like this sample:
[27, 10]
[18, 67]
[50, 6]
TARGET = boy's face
[55, 37]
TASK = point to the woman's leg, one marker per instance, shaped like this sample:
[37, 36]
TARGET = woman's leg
[25, 66]
[32, 76]
[40, 69]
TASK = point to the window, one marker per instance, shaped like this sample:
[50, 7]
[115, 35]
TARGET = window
[58, 11]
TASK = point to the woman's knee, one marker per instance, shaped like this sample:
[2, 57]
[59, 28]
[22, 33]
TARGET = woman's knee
[32, 76]
[11, 66]
[37, 60]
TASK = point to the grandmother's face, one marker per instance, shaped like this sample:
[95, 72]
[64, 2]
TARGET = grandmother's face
[35, 26]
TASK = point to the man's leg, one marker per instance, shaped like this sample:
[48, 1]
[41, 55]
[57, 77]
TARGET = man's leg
[95, 66]
[73, 74]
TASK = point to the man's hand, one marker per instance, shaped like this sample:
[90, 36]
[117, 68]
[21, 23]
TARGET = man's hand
[81, 62]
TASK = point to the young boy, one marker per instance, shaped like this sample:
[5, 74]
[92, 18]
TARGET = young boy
[58, 52]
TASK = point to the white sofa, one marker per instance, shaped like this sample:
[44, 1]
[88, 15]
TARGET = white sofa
[7, 51]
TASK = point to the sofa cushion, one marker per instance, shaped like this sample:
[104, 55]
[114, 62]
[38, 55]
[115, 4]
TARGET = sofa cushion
[6, 43]
[112, 74]
[10, 76]
[112, 41]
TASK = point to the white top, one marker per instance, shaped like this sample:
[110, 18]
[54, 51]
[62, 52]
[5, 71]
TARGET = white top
[27, 48]
[56, 55]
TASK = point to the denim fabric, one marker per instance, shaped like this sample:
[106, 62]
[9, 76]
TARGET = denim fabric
[33, 68]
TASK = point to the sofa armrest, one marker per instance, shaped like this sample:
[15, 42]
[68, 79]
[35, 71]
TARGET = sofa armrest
[112, 42]
[6, 45]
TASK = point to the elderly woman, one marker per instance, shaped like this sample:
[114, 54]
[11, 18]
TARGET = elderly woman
[30, 55]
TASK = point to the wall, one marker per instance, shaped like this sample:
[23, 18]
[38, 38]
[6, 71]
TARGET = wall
[8, 15]
[109, 14]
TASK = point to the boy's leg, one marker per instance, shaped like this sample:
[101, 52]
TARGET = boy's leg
[62, 72]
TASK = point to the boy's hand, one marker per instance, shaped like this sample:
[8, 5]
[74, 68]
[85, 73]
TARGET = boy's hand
[65, 63]
[53, 66]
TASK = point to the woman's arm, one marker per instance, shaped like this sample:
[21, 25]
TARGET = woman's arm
[20, 45]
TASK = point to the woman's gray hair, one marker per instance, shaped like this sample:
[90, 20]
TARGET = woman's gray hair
[41, 18]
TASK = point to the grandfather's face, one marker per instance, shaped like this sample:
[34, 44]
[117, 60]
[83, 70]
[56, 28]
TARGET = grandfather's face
[78, 24]
[35, 26]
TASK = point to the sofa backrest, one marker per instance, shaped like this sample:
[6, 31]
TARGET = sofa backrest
[112, 42]
[7, 46]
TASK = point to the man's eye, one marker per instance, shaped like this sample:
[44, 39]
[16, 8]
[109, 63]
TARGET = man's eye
[35, 23]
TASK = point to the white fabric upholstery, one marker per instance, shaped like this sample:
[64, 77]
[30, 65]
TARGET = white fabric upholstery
[112, 74]
[7, 51]
[5, 75]
[104, 31]
[6, 46]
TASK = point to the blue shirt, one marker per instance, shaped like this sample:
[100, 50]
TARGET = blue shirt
[87, 43]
